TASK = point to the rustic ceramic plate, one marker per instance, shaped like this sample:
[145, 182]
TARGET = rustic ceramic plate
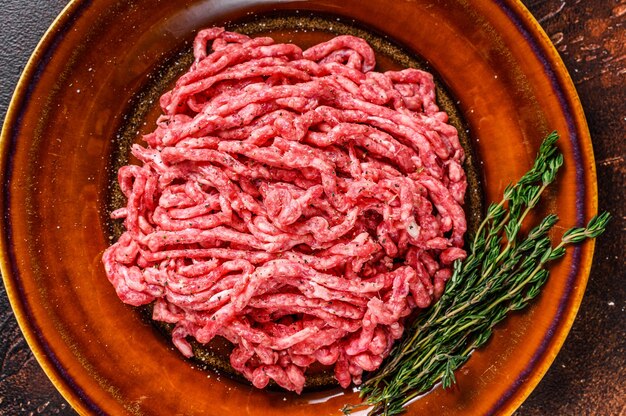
[90, 85]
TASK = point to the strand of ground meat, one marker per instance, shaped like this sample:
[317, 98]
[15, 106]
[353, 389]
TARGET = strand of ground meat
[296, 203]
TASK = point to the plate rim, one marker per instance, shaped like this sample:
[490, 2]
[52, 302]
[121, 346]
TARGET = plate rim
[545, 356]
[520, 16]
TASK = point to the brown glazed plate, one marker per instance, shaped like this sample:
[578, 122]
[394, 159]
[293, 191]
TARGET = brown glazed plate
[90, 88]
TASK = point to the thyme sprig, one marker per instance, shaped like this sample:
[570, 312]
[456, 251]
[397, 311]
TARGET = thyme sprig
[503, 272]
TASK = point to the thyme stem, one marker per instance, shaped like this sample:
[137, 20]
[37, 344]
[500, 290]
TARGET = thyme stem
[502, 273]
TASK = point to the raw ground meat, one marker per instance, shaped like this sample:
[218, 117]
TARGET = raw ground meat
[296, 203]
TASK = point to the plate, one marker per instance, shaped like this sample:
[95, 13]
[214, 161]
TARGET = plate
[84, 94]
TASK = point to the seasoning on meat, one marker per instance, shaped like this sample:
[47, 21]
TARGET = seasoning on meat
[296, 203]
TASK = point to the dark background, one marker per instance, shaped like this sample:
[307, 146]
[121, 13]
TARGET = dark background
[589, 374]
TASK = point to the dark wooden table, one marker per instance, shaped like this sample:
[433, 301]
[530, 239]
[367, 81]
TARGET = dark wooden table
[589, 375]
